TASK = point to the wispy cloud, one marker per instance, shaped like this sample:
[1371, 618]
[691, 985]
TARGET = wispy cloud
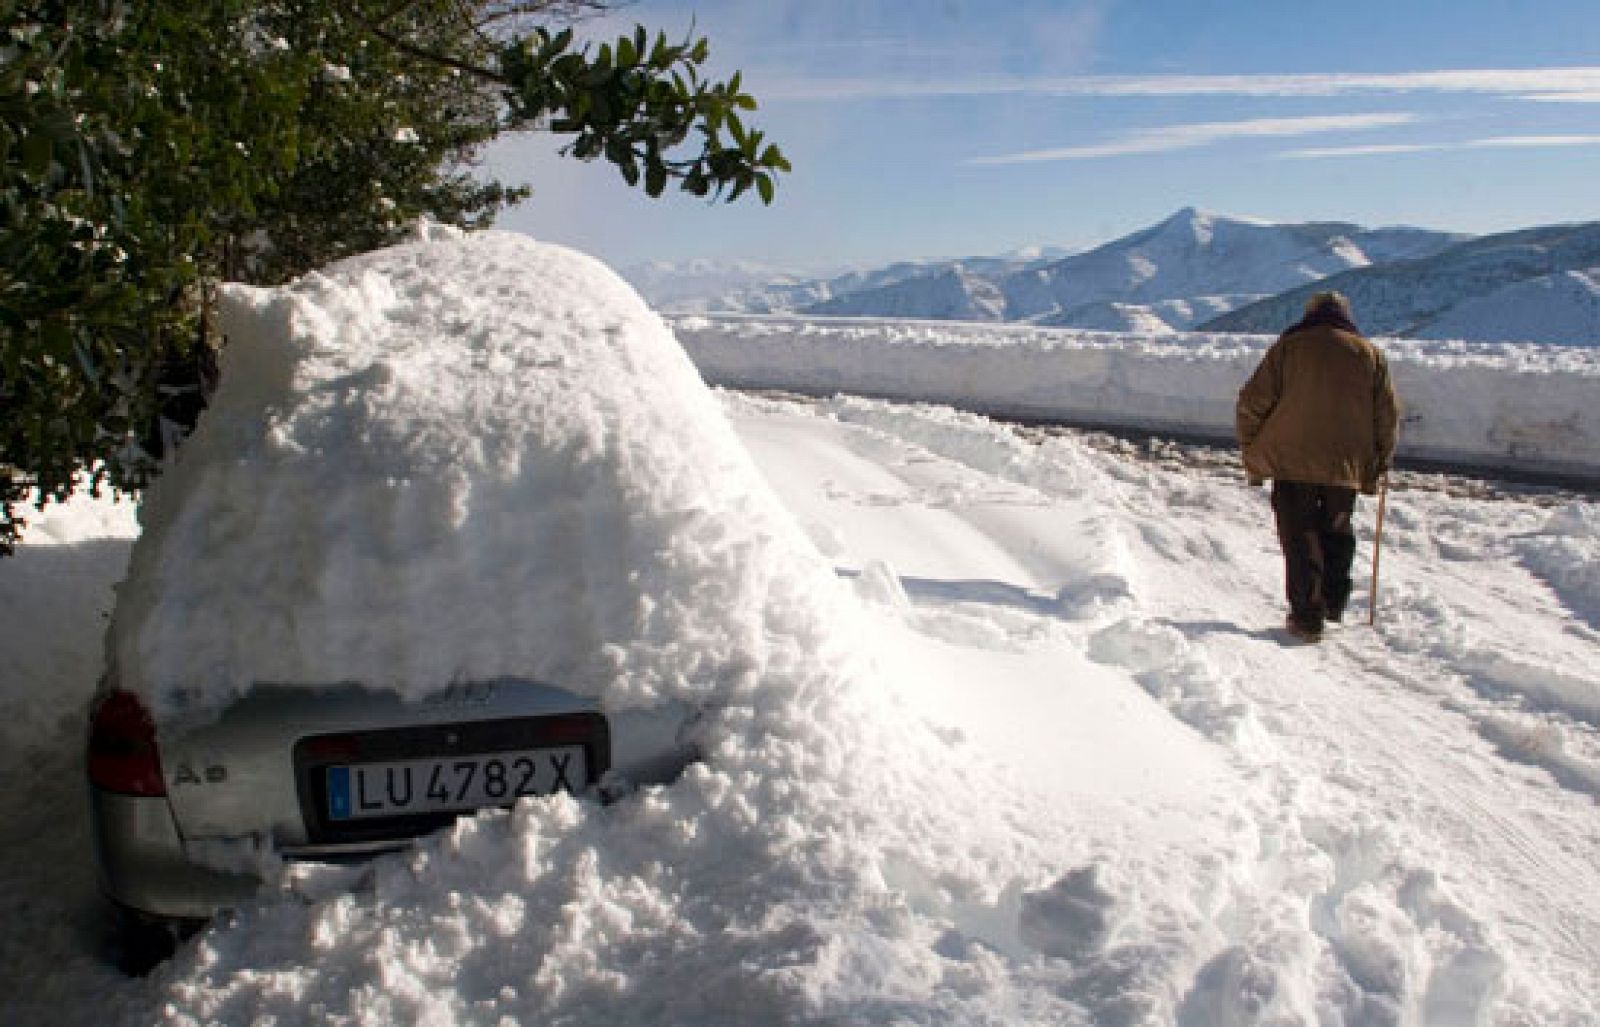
[1492, 143]
[1374, 150]
[1518, 142]
[1205, 133]
[1580, 83]
[1573, 96]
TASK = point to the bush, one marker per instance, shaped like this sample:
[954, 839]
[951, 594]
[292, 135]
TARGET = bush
[149, 151]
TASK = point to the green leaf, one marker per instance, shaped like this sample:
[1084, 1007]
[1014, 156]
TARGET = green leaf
[37, 154]
[655, 179]
[56, 338]
[86, 361]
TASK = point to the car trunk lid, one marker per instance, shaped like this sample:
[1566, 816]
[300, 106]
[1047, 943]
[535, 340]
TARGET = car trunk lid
[294, 767]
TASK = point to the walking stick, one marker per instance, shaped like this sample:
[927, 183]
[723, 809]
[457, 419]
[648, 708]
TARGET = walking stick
[1377, 547]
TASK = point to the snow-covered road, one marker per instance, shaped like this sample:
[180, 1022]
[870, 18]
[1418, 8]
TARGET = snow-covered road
[1397, 826]
[1417, 824]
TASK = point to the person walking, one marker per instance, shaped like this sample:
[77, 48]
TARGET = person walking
[1320, 418]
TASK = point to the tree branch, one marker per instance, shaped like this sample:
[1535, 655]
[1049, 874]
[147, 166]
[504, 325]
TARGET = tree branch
[421, 53]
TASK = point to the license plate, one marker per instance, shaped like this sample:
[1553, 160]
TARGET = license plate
[448, 783]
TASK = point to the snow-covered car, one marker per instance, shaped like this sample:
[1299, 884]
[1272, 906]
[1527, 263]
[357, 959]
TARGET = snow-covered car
[442, 541]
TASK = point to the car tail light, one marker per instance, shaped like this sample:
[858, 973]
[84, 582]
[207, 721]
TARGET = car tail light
[123, 756]
[333, 748]
[566, 729]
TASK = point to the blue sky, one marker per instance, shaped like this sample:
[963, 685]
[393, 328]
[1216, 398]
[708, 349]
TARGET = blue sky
[922, 128]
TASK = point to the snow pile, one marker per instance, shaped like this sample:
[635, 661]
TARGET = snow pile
[55, 596]
[456, 460]
[72, 551]
[1521, 407]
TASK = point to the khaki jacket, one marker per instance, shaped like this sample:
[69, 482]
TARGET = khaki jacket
[1320, 409]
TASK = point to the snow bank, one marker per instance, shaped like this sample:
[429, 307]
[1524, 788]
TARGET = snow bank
[1516, 407]
[58, 592]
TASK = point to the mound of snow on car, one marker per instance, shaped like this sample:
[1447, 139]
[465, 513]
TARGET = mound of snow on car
[458, 460]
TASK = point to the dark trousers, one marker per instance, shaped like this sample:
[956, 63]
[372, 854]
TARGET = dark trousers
[1319, 544]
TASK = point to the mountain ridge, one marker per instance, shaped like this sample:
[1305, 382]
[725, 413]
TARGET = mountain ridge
[1195, 256]
[1201, 271]
[1423, 298]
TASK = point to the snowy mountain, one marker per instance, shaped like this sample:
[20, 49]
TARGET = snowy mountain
[743, 287]
[736, 286]
[1168, 277]
[952, 293]
[1531, 285]
[1560, 308]
[1205, 272]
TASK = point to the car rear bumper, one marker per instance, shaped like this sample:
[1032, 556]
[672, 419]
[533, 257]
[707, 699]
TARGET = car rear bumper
[148, 871]
[143, 865]
[151, 868]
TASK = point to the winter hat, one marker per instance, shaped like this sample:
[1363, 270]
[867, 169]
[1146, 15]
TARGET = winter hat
[1326, 302]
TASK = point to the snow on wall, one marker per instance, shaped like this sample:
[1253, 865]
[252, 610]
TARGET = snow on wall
[1493, 405]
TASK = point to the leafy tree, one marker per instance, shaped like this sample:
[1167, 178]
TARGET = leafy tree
[150, 150]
